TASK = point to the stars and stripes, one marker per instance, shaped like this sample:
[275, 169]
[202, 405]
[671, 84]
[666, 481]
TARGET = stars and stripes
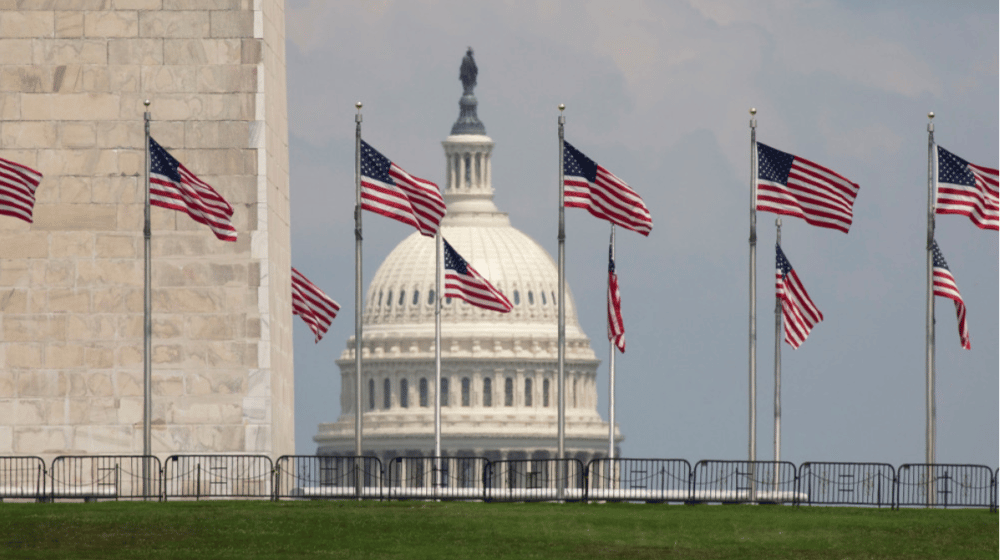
[588, 185]
[309, 302]
[968, 190]
[799, 314]
[463, 282]
[388, 190]
[172, 186]
[17, 189]
[616, 326]
[794, 186]
[944, 286]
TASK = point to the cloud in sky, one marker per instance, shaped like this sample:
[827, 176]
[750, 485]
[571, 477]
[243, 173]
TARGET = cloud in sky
[658, 92]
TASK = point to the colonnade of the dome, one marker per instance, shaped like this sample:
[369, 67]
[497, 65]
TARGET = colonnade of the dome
[468, 167]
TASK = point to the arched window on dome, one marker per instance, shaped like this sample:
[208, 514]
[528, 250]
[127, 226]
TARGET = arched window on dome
[416, 297]
[531, 298]
[517, 297]
[466, 390]
[444, 391]
[574, 393]
[388, 300]
[404, 393]
[423, 392]
[545, 392]
[447, 301]
[487, 391]
[527, 391]
[543, 298]
[402, 297]
[508, 391]
[371, 394]
[380, 298]
[430, 297]
[555, 301]
[387, 394]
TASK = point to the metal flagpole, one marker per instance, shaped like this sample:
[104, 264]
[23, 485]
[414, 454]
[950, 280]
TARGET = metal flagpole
[438, 266]
[931, 405]
[357, 302]
[561, 369]
[753, 293]
[147, 328]
[777, 373]
[611, 370]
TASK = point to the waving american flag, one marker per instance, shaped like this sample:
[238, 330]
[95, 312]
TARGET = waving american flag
[945, 286]
[17, 189]
[968, 190]
[309, 302]
[388, 190]
[463, 282]
[588, 185]
[799, 314]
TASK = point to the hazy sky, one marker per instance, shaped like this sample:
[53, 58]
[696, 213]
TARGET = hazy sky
[659, 92]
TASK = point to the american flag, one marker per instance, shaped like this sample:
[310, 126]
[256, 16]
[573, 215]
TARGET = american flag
[17, 189]
[463, 282]
[616, 326]
[967, 189]
[795, 186]
[944, 286]
[388, 190]
[172, 186]
[799, 314]
[588, 185]
[309, 302]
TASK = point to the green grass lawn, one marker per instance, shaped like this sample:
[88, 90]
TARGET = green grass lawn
[317, 529]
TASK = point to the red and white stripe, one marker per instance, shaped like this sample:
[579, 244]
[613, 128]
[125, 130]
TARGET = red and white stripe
[608, 198]
[17, 190]
[196, 198]
[980, 203]
[616, 325]
[799, 314]
[309, 302]
[411, 200]
[818, 195]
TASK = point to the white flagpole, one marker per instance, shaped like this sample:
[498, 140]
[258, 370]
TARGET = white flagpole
[147, 329]
[561, 369]
[611, 368]
[438, 269]
[358, 302]
[753, 294]
[931, 405]
[777, 373]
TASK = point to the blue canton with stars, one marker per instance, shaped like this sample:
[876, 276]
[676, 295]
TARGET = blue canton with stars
[953, 169]
[375, 165]
[938, 257]
[611, 261]
[782, 262]
[162, 163]
[454, 261]
[575, 164]
[773, 165]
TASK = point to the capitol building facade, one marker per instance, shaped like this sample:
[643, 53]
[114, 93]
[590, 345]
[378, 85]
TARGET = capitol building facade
[498, 370]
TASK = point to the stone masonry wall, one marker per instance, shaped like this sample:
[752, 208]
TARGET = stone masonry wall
[73, 77]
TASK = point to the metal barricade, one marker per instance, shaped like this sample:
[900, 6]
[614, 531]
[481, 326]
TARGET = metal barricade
[218, 476]
[938, 485]
[530, 480]
[327, 477]
[745, 481]
[22, 478]
[859, 484]
[106, 477]
[650, 480]
[442, 478]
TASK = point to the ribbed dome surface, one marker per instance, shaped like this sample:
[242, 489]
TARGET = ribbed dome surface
[401, 294]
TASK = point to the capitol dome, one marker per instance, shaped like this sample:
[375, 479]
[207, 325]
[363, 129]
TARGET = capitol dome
[498, 388]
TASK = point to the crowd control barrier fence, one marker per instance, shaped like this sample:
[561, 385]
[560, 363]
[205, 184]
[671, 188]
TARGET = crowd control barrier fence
[324, 476]
[106, 477]
[138, 477]
[22, 478]
[858, 484]
[937, 485]
[218, 476]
